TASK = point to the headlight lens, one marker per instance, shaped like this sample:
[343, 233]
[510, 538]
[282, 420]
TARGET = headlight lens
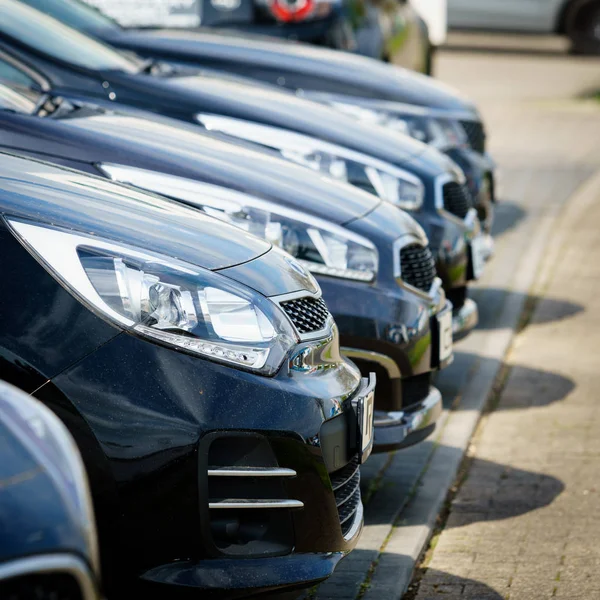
[440, 132]
[164, 299]
[402, 188]
[322, 247]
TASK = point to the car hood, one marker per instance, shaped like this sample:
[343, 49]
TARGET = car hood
[32, 190]
[190, 95]
[329, 70]
[169, 146]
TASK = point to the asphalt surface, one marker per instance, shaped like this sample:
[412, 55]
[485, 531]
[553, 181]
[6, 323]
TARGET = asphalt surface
[546, 140]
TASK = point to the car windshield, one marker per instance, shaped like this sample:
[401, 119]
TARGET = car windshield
[50, 37]
[12, 100]
[75, 14]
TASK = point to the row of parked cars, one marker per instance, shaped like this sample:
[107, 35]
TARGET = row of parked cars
[214, 249]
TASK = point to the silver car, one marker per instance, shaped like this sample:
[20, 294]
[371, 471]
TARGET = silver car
[578, 19]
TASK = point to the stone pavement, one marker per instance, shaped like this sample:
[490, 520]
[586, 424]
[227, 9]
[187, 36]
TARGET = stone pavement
[525, 522]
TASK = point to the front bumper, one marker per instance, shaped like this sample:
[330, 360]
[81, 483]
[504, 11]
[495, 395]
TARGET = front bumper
[401, 429]
[465, 319]
[155, 442]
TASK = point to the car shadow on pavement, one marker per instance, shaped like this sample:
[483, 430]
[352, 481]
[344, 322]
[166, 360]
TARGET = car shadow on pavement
[507, 215]
[491, 302]
[437, 585]
[549, 387]
[494, 491]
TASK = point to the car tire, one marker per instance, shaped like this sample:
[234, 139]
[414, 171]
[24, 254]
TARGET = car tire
[429, 59]
[582, 26]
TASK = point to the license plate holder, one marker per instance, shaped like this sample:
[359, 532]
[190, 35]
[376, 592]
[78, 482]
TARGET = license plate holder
[478, 256]
[444, 321]
[365, 407]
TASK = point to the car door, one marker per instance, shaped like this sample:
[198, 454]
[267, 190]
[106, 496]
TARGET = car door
[510, 15]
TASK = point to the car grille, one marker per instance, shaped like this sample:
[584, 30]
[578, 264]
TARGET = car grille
[346, 487]
[41, 586]
[307, 314]
[475, 134]
[417, 266]
[457, 199]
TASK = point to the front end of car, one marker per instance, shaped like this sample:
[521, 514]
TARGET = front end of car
[221, 427]
[378, 278]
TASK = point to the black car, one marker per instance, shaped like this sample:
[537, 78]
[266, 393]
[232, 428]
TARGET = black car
[222, 434]
[371, 260]
[397, 168]
[48, 545]
[362, 87]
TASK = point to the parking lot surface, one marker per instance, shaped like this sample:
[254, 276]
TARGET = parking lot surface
[532, 472]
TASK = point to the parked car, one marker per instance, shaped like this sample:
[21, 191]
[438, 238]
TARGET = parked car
[577, 19]
[48, 546]
[391, 30]
[402, 170]
[361, 87]
[370, 259]
[199, 371]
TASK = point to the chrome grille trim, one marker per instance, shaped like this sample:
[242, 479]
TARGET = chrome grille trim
[313, 335]
[400, 243]
[243, 503]
[251, 472]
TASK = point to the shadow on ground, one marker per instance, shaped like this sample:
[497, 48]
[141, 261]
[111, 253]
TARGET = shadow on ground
[439, 585]
[494, 492]
[491, 303]
[548, 387]
[507, 215]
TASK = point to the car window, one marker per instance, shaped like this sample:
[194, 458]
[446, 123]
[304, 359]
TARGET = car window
[12, 100]
[50, 37]
[74, 13]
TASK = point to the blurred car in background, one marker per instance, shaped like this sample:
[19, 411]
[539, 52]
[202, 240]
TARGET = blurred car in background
[389, 30]
[579, 20]
[363, 88]
[390, 164]
[48, 545]
[198, 370]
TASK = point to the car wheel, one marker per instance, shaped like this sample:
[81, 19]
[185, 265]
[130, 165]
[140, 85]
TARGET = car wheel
[583, 27]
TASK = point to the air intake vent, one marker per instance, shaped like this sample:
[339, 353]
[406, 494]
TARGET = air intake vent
[475, 134]
[308, 314]
[417, 266]
[457, 199]
[249, 508]
[42, 586]
[346, 487]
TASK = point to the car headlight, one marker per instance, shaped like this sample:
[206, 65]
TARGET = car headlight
[51, 444]
[164, 299]
[437, 131]
[387, 181]
[322, 247]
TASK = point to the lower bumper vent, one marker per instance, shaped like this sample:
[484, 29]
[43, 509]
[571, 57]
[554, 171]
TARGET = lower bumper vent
[249, 509]
[346, 487]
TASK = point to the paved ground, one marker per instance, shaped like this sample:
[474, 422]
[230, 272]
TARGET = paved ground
[524, 524]
[547, 146]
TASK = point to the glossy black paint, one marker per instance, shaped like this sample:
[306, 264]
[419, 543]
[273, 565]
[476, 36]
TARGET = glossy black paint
[138, 411]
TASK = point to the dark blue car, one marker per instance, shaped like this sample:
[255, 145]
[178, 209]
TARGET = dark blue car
[48, 545]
